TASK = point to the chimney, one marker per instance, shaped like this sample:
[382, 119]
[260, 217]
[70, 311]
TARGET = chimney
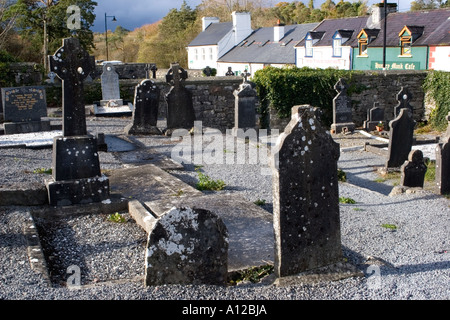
[206, 21]
[377, 14]
[278, 32]
[242, 26]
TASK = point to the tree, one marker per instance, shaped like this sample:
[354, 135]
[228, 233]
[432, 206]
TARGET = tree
[44, 23]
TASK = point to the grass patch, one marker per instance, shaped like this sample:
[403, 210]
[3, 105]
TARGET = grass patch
[346, 200]
[358, 209]
[430, 175]
[253, 275]
[206, 183]
[260, 202]
[342, 176]
[389, 226]
[43, 171]
[117, 218]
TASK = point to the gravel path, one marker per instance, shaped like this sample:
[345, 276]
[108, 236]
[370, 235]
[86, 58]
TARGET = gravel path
[410, 262]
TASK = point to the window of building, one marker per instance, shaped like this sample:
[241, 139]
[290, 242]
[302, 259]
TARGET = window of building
[337, 47]
[362, 43]
[405, 43]
[203, 54]
[196, 54]
[211, 57]
[308, 48]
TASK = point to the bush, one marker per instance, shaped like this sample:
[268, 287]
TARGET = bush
[283, 88]
[437, 86]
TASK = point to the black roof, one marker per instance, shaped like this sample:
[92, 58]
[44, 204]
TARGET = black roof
[212, 34]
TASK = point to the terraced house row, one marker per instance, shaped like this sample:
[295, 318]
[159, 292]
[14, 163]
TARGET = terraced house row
[416, 40]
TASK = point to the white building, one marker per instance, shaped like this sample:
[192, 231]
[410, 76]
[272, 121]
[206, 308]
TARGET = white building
[216, 39]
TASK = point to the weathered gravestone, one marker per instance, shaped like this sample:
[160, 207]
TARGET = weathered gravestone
[443, 162]
[401, 135]
[342, 109]
[413, 170]
[111, 103]
[374, 116]
[76, 176]
[245, 106]
[187, 246]
[23, 109]
[180, 109]
[305, 195]
[145, 113]
[404, 98]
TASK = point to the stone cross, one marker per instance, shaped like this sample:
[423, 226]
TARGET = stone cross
[305, 195]
[404, 98]
[72, 64]
[176, 75]
[229, 72]
[245, 75]
[413, 170]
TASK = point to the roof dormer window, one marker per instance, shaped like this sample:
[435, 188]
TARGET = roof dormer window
[337, 45]
[408, 35]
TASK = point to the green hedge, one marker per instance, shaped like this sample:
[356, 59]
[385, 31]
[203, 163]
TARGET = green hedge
[437, 85]
[283, 88]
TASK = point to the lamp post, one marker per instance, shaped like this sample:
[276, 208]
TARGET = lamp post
[384, 35]
[106, 33]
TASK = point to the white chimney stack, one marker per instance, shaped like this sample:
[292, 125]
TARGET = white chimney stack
[278, 32]
[206, 21]
[242, 26]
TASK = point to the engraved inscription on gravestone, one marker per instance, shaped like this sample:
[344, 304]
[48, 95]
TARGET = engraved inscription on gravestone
[24, 104]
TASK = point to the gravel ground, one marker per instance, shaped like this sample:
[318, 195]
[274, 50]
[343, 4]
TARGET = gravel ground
[408, 263]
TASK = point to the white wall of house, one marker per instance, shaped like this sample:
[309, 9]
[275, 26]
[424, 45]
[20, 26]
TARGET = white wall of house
[439, 58]
[202, 56]
[323, 58]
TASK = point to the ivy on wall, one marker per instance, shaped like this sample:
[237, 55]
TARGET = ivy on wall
[283, 88]
[437, 86]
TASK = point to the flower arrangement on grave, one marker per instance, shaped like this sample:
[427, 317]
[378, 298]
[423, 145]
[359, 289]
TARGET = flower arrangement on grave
[380, 126]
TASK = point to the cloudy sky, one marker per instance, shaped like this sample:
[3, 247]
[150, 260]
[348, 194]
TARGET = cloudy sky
[132, 14]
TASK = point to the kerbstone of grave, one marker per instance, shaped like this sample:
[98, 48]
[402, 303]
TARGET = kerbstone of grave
[305, 195]
[187, 246]
[245, 107]
[413, 170]
[27, 127]
[342, 109]
[401, 136]
[404, 98]
[145, 113]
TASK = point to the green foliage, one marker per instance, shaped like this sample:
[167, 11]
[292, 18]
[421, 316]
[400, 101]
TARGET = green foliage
[43, 171]
[437, 86]
[260, 202]
[430, 174]
[283, 88]
[389, 226]
[346, 200]
[6, 77]
[205, 182]
[116, 217]
[254, 274]
[342, 176]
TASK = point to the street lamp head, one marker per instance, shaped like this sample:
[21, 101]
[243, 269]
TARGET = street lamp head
[114, 19]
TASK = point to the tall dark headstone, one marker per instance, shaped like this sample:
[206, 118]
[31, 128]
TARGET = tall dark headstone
[245, 106]
[305, 195]
[180, 109]
[23, 109]
[374, 116]
[404, 98]
[413, 170]
[76, 176]
[187, 246]
[401, 136]
[443, 162]
[145, 113]
[342, 109]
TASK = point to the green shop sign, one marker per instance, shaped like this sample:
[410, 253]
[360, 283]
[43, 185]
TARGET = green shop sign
[397, 65]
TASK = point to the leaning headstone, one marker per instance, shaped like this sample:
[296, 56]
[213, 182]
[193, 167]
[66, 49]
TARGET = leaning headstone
[443, 162]
[413, 170]
[180, 109]
[245, 107]
[145, 113]
[401, 136]
[111, 103]
[374, 116]
[305, 195]
[342, 109]
[404, 98]
[187, 246]
[76, 176]
[23, 109]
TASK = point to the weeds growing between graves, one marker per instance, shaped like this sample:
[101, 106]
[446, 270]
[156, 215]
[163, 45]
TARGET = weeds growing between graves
[342, 176]
[430, 175]
[260, 202]
[253, 275]
[116, 217]
[392, 227]
[346, 200]
[43, 171]
[205, 182]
